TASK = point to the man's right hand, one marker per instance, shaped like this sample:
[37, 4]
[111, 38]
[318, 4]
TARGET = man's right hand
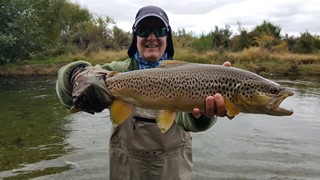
[89, 91]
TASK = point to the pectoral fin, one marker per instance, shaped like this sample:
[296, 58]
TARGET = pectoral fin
[119, 112]
[232, 109]
[165, 119]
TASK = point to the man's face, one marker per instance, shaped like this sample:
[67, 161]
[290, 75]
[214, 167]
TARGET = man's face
[151, 47]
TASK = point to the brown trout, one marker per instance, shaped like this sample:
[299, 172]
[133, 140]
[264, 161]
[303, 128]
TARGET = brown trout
[178, 86]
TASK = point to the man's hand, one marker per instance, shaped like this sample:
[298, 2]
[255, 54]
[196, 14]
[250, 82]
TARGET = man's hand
[89, 91]
[215, 104]
[227, 64]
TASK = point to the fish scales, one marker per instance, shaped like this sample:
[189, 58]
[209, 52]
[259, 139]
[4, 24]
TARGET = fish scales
[182, 87]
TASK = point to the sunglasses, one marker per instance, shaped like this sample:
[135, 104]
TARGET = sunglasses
[157, 31]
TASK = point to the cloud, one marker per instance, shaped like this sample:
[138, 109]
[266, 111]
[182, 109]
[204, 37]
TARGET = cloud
[293, 16]
[195, 7]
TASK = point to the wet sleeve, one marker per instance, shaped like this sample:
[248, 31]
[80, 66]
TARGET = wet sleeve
[63, 88]
[190, 123]
[119, 66]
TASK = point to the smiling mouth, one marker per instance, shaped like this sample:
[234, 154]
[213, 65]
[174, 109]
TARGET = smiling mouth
[151, 46]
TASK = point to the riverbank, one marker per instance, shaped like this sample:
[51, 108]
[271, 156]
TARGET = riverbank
[253, 59]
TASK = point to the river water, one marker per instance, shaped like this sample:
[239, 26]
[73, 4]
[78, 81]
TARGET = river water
[39, 138]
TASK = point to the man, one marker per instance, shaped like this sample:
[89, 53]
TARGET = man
[138, 150]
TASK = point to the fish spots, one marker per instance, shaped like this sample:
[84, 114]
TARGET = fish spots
[184, 87]
[186, 84]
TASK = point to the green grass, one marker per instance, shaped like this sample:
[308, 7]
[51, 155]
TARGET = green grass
[252, 59]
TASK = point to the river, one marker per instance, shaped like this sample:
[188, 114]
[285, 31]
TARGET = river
[39, 138]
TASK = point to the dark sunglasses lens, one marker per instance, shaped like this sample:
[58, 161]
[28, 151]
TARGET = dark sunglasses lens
[160, 32]
[143, 32]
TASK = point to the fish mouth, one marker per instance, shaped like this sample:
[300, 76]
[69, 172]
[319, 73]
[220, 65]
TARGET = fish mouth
[274, 106]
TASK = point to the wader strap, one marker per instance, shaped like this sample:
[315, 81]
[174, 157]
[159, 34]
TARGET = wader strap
[143, 119]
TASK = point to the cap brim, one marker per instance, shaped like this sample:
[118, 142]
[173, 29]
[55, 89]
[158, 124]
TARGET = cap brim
[151, 15]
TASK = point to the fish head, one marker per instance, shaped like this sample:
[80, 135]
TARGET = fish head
[263, 97]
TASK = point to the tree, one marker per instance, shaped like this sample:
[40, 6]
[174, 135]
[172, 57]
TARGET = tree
[268, 29]
[58, 16]
[218, 39]
[203, 43]
[290, 40]
[20, 34]
[317, 42]
[264, 41]
[304, 44]
[241, 41]
[221, 37]
[28, 27]
[183, 38]
[94, 34]
[267, 36]
[121, 38]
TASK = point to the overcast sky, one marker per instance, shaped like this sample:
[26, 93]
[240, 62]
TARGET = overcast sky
[201, 16]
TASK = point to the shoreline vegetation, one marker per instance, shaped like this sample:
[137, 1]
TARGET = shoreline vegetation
[39, 37]
[254, 59]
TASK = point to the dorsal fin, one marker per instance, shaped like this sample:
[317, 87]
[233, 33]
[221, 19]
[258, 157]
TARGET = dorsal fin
[112, 73]
[171, 63]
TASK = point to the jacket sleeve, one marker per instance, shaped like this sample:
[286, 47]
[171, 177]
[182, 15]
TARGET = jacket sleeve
[190, 123]
[63, 88]
[119, 66]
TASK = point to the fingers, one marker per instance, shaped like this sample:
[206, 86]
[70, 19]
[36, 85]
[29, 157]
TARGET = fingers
[196, 113]
[219, 105]
[214, 105]
[210, 106]
[227, 64]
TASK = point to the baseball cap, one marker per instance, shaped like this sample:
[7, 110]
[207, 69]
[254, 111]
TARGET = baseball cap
[149, 11]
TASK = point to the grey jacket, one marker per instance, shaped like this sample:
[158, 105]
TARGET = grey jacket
[138, 150]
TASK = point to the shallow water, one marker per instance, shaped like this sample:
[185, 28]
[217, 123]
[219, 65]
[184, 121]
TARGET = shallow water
[40, 139]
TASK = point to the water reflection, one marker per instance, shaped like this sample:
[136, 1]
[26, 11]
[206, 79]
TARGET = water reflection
[265, 147]
[51, 144]
[32, 122]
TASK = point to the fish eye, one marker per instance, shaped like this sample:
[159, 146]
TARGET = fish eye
[274, 90]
